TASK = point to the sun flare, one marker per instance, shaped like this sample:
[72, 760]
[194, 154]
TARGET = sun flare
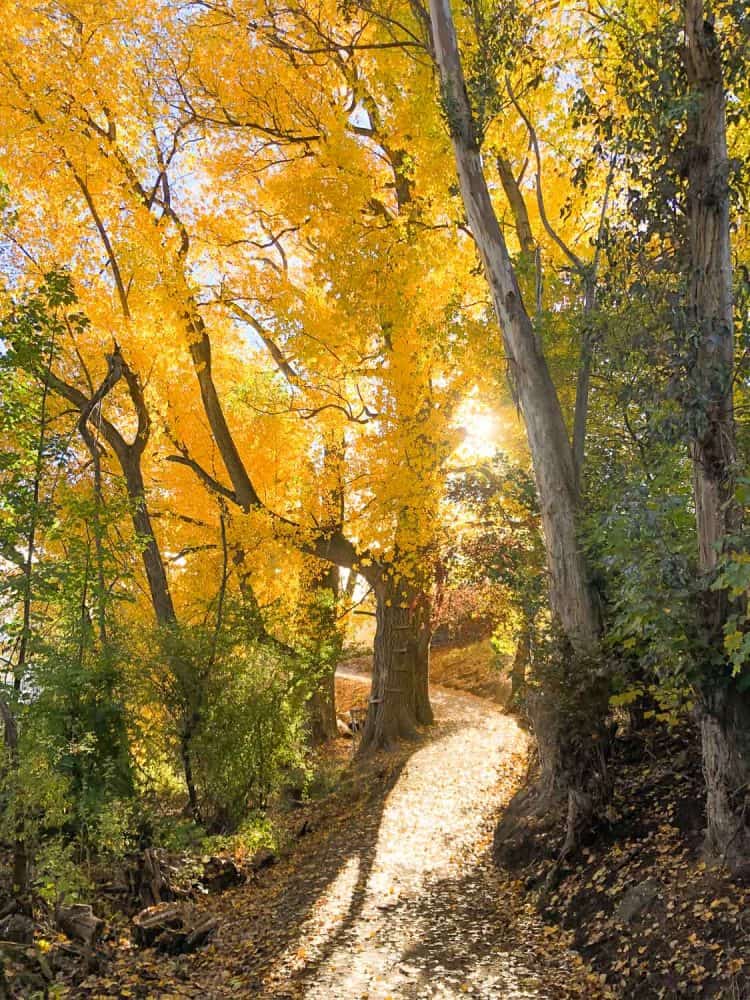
[481, 431]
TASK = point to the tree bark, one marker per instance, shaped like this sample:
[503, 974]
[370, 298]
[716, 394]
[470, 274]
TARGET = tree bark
[580, 775]
[421, 640]
[186, 756]
[200, 351]
[129, 454]
[518, 207]
[521, 661]
[20, 876]
[571, 597]
[583, 384]
[392, 711]
[725, 711]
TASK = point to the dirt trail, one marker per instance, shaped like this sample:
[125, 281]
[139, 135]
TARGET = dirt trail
[399, 900]
[420, 911]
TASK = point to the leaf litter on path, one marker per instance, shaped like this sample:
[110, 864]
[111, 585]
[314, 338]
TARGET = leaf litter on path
[397, 899]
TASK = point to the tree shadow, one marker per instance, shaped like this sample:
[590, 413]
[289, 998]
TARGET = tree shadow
[299, 922]
[353, 928]
[472, 934]
[267, 925]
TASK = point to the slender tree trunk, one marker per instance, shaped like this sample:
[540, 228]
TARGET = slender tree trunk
[583, 386]
[28, 566]
[186, 755]
[153, 564]
[20, 875]
[725, 711]
[321, 707]
[570, 594]
[518, 208]
[422, 640]
[21, 859]
[521, 661]
[571, 598]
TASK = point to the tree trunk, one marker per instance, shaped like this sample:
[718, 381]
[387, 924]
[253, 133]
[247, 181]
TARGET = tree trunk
[725, 711]
[571, 598]
[583, 385]
[725, 736]
[570, 594]
[517, 204]
[573, 741]
[521, 661]
[421, 640]
[186, 755]
[572, 601]
[20, 877]
[392, 712]
[153, 564]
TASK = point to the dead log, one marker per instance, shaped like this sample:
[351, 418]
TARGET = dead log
[174, 928]
[220, 874]
[18, 928]
[264, 858]
[80, 923]
[343, 729]
[151, 885]
[200, 933]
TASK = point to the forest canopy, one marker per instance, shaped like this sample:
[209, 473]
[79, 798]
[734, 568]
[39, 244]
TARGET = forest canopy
[317, 316]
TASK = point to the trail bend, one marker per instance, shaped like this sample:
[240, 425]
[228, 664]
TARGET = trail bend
[416, 908]
[400, 899]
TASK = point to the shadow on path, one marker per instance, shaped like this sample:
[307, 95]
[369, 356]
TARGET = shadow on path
[396, 899]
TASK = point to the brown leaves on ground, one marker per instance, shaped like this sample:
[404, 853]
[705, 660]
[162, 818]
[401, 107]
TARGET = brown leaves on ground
[392, 894]
[640, 904]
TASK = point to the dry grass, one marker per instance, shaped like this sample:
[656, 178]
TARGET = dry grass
[473, 668]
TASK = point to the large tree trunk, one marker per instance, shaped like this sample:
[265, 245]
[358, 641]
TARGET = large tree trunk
[725, 710]
[571, 597]
[392, 712]
[725, 735]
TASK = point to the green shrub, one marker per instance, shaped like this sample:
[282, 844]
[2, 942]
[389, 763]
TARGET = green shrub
[251, 735]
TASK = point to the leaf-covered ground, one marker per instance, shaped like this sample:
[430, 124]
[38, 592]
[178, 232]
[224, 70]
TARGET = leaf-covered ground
[393, 894]
[640, 903]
